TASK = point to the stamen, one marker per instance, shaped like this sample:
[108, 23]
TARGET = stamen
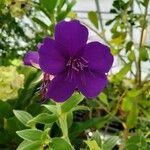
[75, 64]
[84, 60]
[44, 87]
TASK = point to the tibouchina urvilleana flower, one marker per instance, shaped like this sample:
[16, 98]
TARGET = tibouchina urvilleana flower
[74, 63]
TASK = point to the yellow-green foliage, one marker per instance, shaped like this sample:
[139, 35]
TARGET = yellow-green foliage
[10, 82]
[18, 7]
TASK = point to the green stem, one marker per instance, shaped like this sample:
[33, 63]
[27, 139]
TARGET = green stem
[63, 124]
[100, 18]
[138, 73]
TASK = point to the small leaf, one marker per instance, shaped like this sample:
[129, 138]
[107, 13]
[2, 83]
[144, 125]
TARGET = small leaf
[30, 134]
[120, 75]
[133, 93]
[118, 40]
[127, 104]
[136, 142]
[113, 11]
[80, 108]
[27, 145]
[129, 46]
[103, 98]
[63, 13]
[131, 56]
[51, 108]
[132, 116]
[110, 143]
[49, 4]
[93, 18]
[79, 127]
[144, 54]
[109, 22]
[44, 118]
[60, 144]
[72, 102]
[22, 116]
[92, 145]
[97, 138]
[41, 23]
[143, 22]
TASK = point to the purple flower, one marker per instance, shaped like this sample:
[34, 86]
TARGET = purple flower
[32, 59]
[74, 63]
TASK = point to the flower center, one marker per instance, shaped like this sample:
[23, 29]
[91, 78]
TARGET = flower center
[77, 64]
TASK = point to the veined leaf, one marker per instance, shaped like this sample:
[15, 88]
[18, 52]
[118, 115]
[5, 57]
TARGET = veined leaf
[44, 118]
[30, 134]
[49, 4]
[73, 101]
[92, 145]
[110, 143]
[60, 144]
[27, 145]
[23, 116]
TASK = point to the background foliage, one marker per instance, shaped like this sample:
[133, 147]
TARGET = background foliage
[117, 119]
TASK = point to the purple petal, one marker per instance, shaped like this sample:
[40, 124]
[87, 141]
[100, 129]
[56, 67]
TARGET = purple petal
[98, 56]
[92, 83]
[72, 35]
[51, 60]
[60, 89]
[31, 58]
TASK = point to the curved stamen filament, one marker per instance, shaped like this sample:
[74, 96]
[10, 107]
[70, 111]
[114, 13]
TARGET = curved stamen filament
[77, 65]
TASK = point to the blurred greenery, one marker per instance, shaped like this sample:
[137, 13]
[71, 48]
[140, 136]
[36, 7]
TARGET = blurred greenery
[117, 119]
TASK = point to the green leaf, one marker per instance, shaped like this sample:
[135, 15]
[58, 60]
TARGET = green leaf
[30, 134]
[27, 145]
[63, 13]
[49, 4]
[41, 23]
[61, 3]
[143, 22]
[129, 46]
[113, 11]
[97, 138]
[72, 102]
[5, 110]
[93, 18]
[133, 93]
[103, 98]
[146, 2]
[143, 54]
[121, 74]
[92, 145]
[118, 38]
[110, 143]
[22, 116]
[131, 56]
[51, 108]
[44, 118]
[80, 108]
[127, 104]
[79, 127]
[109, 22]
[132, 116]
[136, 142]
[60, 144]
